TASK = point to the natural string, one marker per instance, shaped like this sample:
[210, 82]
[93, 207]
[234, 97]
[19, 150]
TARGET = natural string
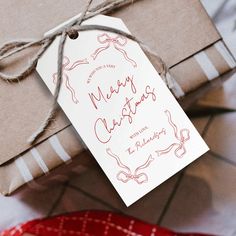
[73, 27]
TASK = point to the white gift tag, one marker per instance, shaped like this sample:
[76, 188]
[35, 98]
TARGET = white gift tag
[122, 109]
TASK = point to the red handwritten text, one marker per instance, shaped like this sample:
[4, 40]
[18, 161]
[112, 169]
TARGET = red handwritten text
[95, 98]
[103, 129]
[142, 143]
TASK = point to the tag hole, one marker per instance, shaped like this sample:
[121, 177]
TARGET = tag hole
[73, 34]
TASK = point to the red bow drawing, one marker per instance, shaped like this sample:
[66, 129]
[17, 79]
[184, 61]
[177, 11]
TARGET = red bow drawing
[117, 42]
[67, 67]
[127, 175]
[181, 136]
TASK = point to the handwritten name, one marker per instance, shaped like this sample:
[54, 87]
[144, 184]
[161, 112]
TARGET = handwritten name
[142, 143]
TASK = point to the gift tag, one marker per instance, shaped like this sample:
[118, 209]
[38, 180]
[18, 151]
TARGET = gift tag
[122, 109]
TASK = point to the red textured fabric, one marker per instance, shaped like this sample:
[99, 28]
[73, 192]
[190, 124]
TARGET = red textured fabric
[90, 223]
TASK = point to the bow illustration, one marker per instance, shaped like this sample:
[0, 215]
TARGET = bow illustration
[66, 79]
[117, 42]
[127, 175]
[181, 136]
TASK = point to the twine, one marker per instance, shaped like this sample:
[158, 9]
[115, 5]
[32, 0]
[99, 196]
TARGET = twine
[70, 29]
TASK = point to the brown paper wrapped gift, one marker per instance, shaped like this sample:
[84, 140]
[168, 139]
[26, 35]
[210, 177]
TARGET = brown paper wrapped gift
[179, 31]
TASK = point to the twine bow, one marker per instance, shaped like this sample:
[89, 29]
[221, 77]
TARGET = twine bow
[182, 137]
[118, 42]
[127, 175]
[14, 47]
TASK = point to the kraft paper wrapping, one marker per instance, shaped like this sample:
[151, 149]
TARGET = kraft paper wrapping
[59, 149]
[203, 67]
[179, 31]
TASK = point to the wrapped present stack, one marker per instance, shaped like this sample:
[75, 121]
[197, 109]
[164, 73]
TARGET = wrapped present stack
[179, 31]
